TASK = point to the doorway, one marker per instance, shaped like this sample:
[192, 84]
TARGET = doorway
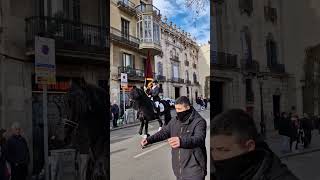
[276, 110]
[176, 92]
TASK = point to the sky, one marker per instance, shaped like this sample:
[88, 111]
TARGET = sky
[177, 12]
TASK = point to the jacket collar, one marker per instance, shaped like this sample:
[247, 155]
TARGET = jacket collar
[190, 119]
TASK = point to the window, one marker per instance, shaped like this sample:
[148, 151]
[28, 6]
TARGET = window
[186, 56]
[171, 54]
[249, 92]
[194, 77]
[156, 33]
[160, 68]
[246, 45]
[187, 75]
[175, 71]
[127, 60]
[271, 49]
[147, 20]
[125, 28]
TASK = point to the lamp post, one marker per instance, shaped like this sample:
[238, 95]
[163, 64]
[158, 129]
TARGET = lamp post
[262, 122]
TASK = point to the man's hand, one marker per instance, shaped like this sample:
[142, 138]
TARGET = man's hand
[144, 142]
[174, 142]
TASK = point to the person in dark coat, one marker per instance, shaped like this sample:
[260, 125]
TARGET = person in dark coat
[306, 125]
[186, 136]
[18, 154]
[294, 126]
[285, 131]
[115, 111]
[239, 153]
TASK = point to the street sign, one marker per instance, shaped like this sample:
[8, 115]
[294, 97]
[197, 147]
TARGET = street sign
[45, 66]
[124, 80]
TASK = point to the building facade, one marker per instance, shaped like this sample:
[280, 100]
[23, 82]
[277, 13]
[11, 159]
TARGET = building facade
[204, 69]
[177, 66]
[79, 29]
[247, 59]
[135, 35]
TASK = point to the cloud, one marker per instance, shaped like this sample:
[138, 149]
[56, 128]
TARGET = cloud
[197, 25]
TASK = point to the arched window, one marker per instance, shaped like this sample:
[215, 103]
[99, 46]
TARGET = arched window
[271, 49]
[160, 69]
[246, 45]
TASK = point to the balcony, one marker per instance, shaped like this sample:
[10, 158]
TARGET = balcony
[127, 40]
[246, 7]
[148, 9]
[252, 66]
[133, 74]
[188, 82]
[149, 20]
[177, 80]
[174, 58]
[194, 65]
[70, 37]
[186, 63]
[159, 77]
[196, 83]
[127, 6]
[223, 60]
[277, 68]
[270, 14]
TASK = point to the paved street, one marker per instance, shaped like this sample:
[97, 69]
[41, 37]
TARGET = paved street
[130, 162]
[305, 163]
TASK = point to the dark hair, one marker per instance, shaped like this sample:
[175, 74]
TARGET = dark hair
[235, 122]
[183, 100]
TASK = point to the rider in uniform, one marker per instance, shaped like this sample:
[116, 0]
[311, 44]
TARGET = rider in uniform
[154, 94]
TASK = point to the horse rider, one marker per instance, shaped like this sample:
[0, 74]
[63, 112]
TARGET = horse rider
[154, 94]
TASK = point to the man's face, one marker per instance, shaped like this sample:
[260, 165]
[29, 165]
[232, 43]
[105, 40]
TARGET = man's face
[225, 147]
[181, 107]
[17, 131]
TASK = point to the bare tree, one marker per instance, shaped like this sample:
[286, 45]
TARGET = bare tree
[197, 5]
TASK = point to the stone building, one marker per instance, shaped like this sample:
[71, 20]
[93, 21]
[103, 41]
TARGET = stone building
[248, 60]
[134, 32]
[177, 67]
[79, 29]
[204, 69]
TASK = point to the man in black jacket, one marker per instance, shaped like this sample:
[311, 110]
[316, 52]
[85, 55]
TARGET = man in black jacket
[237, 153]
[18, 154]
[186, 135]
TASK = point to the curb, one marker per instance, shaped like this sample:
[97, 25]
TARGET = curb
[300, 153]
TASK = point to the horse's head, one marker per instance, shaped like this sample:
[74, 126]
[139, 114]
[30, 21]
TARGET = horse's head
[135, 94]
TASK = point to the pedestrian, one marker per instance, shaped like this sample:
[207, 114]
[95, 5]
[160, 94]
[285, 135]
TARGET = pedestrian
[186, 135]
[238, 153]
[294, 126]
[115, 111]
[18, 154]
[306, 125]
[284, 132]
[205, 103]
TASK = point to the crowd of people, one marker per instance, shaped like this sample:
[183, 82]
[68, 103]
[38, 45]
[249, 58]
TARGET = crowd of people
[295, 131]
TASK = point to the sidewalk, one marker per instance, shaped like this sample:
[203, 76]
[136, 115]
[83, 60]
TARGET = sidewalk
[275, 142]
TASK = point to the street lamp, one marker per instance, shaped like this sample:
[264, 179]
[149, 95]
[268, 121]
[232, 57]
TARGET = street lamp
[261, 78]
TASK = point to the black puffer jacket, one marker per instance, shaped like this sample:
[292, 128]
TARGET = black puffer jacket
[268, 168]
[191, 158]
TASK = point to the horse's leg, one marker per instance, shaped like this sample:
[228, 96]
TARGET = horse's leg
[146, 128]
[167, 117]
[160, 123]
[141, 126]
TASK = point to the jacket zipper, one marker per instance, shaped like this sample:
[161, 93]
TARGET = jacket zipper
[179, 155]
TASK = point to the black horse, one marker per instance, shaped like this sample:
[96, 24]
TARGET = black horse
[86, 128]
[145, 107]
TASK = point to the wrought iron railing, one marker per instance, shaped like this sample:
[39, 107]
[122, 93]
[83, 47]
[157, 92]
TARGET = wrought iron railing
[126, 3]
[120, 36]
[222, 59]
[67, 34]
[186, 62]
[177, 80]
[194, 65]
[131, 72]
[147, 8]
[252, 65]
[159, 77]
[277, 68]
[175, 58]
